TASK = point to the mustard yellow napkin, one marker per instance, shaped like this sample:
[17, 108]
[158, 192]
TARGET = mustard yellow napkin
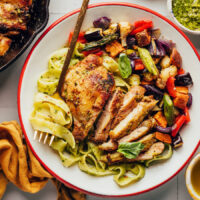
[19, 166]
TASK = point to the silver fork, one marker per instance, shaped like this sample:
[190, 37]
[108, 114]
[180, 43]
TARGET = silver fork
[43, 136]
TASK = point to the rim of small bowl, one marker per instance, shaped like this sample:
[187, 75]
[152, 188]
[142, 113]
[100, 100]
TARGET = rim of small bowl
[190, 167]
[169, 6]
[24, 69]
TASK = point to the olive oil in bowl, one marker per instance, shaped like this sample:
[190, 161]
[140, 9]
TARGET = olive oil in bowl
[195, 177]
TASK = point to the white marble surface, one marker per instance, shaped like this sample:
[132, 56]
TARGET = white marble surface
[173, 190]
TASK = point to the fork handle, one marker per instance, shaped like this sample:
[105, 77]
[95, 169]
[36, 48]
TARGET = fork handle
[77, 29]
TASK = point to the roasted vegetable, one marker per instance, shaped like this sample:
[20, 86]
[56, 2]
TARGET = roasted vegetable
[187, 115]
[105, 40]
[171, 86]
[156, 49]
[164, 75]
[110, 64]
[168, 45]
[155, 33]
[114, 48]
[93, 34]
[163, 137]
[181, 100]
[125, 29]
[160, 49]
[147, 76]
[141, 26]
[168, 109]
[151, 90]
[177, 126]
[139, 65]
[177, 141]
[160, 119]
[166, 130]
[182, 89]
[124, 66]
[148, 61]
[113, 28]
[102, 22]
[184, 79]
[143, 38]
[130, 41]
[189, 103]
[134, 80]
[165, 62]
[175, 58]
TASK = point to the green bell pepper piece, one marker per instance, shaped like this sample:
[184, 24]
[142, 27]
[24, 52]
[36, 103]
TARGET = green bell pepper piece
[168, 109]
[148, 61]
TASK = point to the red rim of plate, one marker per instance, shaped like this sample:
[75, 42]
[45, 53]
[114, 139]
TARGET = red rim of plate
[22, 75]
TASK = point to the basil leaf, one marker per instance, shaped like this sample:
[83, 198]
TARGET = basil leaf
[124, 66]
[130, 149]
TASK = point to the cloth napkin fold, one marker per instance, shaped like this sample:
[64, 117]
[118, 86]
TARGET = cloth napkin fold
[19, 166]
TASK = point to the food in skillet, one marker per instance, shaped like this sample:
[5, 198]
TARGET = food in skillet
[123, 103]
[14, 16]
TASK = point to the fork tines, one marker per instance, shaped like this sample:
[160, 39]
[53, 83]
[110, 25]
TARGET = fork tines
[44, 137]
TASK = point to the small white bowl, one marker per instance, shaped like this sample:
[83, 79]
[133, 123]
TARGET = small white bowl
[188, 174]
[187, 30]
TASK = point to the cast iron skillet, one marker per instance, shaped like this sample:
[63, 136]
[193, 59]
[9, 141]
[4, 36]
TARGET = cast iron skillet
[38, 21]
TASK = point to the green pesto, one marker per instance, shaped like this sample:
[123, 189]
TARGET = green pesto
[187, 12]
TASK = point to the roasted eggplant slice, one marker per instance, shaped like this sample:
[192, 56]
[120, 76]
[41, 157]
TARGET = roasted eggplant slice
[93, 34]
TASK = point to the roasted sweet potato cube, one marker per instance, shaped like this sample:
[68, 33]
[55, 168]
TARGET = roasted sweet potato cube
[181, 100]
[163, 137]
[160, 119]
[175, 58]
[114, 48]
[143, 38]
[181, 89]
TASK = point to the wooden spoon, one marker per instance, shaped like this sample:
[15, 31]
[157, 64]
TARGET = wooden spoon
[72, 44]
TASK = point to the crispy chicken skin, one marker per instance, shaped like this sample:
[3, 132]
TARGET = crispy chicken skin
[12, 17]
[135, 94]
[134, 118]
[111, 109]
[86, 90]
[4, 45]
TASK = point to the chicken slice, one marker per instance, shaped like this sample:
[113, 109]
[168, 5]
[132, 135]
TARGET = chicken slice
[87, 87]
[144, 127]
[134, 118]
[112, 158]
[148, 141]
[156, 149]
[109, 146]
[104, 123]
[4, 45]
[130, 101]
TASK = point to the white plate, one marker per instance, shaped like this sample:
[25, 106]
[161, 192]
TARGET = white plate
[54, 38]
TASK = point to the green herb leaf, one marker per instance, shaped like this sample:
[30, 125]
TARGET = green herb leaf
[124, 66]
[130, 149]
